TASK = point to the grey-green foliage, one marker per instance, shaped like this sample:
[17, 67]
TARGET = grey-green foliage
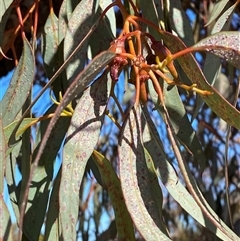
[167, 161]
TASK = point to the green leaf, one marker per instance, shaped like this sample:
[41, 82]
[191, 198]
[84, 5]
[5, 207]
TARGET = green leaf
[169, 178]
[5, 4]
[77, 87]
[37, 202]
[11, 163]
[152, 14]
[133, 177]
[104, 34]
[42, 179]
[81, 139]
[224, 21]
[155, 190]
[20, 85]
[52, 46]
[215, 101]
[222, 24]
[110, 17]
[9, 129]
[5, 11]
[78, 26]
[50, 40]
[2, 156]
[180, 23]
[112, 184]
[223, 44]
[65, 13]
[53, 227]
[180, 122]
[217, 9]
[6, 228]
[63, 20]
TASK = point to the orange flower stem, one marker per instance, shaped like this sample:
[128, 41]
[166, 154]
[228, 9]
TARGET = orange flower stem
[137, 85]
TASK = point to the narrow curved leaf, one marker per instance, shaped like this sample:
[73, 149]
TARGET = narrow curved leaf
[78, 26]
[111, 182]
[63, 18]
[37, 202]
[180, 23]
[6, 227]
[5, 4]
[52, 48]
[224, 21]
[20, 85]
[43, 175]
[5, 11]
[2, 156]
[13, 188]
[225, 45]
[53, 227]
[110, 16]
[24, 125]
[133, 177]
[81, 139]
[217, 9]
[180, 122]
[82, 80]
[222, 24]
[50, 39]
[151, 13]
[215, 101]
[42, 178]
[65, 14]
[155, 189]
[105, 32]
[169, 178]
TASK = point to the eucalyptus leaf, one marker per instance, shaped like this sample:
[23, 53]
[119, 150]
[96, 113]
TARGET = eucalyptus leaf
[79, 25]
[43, 175]
[224, 21]
[133, 173]
[222, 24]
[24, 125]
[224, 45]
[150, 12]
[12, 162]
[53, 227]
[105, 31]
[179, 22]
[50, 40]
[2, 156]
[5, 4]
[217, 9]
[180, 123]
[112, 184]
[63, 18]
[6, 228]
[215, 101]
[37, 202]
[82, 136]
[5, 10]
[20, 85]
[171, 181]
